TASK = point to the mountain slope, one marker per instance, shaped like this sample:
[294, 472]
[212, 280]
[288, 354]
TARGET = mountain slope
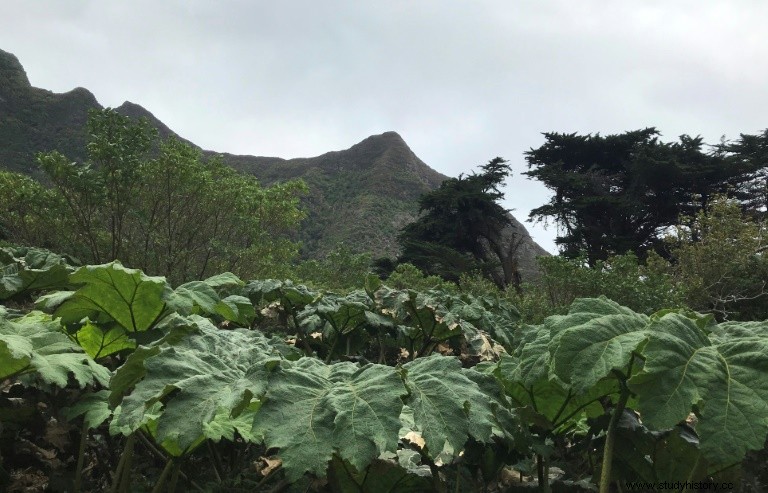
[365, 193]
[34, 120]
[360, 196]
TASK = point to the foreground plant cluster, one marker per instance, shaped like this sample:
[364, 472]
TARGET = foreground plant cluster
[113, 380]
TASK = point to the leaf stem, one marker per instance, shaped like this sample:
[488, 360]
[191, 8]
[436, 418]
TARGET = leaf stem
[218, 469]
[163, 477]
[575, 412]
[333, 348]
[605, 473]
[148, 444]
[533, 398]
[174, 477]
[562, 407]
[382, 351]
[80, 459]
[123, 473]
[542, 471]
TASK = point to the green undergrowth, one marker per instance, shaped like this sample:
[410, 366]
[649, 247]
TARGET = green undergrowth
[230, 385]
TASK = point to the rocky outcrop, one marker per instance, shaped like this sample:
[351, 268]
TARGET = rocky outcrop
[12, 73]
[522, 250]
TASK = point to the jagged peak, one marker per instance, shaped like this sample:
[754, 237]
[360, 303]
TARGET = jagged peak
[83, 94]
[380, 143]
[11, 70]
[390, 137]
[133, 110]
[137, 111]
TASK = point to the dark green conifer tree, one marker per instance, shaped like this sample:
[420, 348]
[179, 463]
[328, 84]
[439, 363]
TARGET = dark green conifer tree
[461, 227]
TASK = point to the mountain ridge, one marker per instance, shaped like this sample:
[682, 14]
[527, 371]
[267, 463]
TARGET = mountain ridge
[361, 196]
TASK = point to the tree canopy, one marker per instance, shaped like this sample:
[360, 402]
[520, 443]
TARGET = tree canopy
[618, 193]
[461, 228]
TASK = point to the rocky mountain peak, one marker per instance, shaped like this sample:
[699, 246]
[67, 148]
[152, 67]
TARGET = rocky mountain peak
[12, 74]
[381, 142]
[136, 111]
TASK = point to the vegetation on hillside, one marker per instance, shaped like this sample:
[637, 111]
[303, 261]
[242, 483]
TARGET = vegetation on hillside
[361, 196]
[34, 120]
[375, 184]
[172, 213]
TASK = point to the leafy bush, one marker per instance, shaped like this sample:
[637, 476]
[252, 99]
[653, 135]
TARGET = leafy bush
[644, 288]
[409, 276]
[720, 264]
[340, 269]
[157, 205]
[31, 211]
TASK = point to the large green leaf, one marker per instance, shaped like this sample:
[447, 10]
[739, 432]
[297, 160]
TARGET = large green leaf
[733, 330]
[204, 298]
[31, 269]
[313, 410]
[530, 361]
[224, 425]
[48, 303]
[543, 399]
[546, 402]
[423, 316]
[93, 407]
[339, 319]
[291, 296]
[448, 405]
[497, 316]
[343, 314]
[196, 377]
[34, 345]
[196, 297]
[724, 378]
[111, 292]
[100, 342]
[236, 308]
[225, 283]
[595, 338]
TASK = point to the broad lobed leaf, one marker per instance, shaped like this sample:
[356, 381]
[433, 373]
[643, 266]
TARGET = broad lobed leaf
[724, 377]
[596, 337]
[34, 345]
[313, 410]
[31, 269]
[448, 404]
[207, 372]
[111, 292]
[684, 363]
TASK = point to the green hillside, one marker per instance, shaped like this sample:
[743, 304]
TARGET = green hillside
[360, 196]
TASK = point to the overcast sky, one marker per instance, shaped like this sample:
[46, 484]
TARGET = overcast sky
[460, 81]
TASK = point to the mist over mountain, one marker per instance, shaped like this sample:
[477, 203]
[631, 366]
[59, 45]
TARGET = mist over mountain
[360, 196]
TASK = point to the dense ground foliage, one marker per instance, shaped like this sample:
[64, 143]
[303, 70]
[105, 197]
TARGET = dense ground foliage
[115, 380]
